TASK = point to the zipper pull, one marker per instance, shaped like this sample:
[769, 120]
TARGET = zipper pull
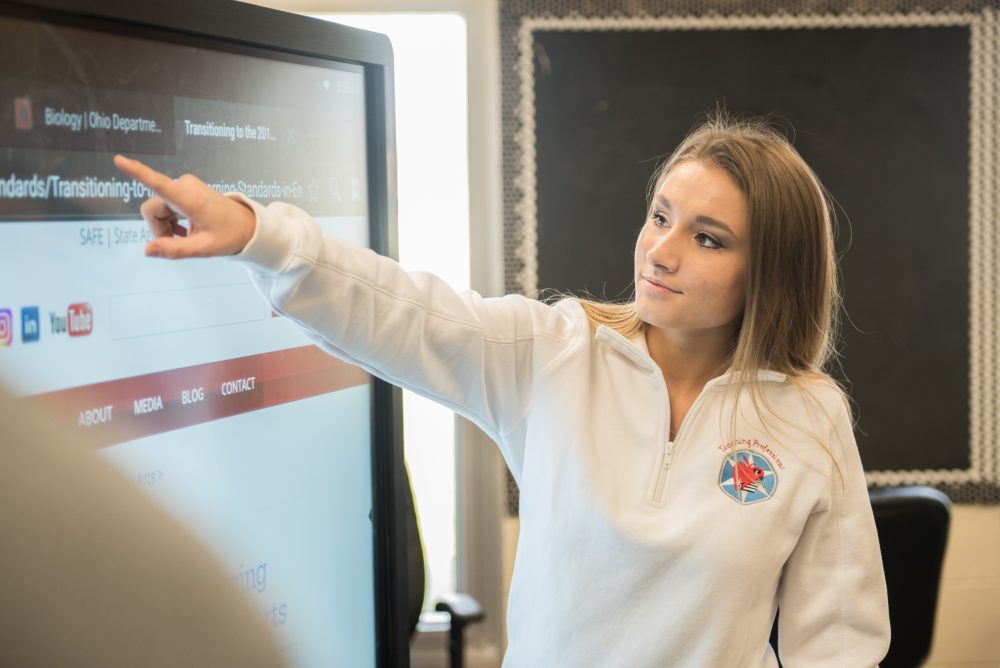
[668, 454]
[661, 478]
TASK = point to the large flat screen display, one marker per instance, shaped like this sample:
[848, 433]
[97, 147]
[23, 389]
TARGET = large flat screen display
[179, 373]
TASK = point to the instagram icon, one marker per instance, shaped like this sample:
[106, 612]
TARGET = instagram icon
[6, 327]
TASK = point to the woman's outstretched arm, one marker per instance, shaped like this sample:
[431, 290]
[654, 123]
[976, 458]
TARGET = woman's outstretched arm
[480, 357]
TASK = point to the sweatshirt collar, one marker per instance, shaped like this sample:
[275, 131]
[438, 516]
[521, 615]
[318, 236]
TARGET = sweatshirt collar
[635, 349]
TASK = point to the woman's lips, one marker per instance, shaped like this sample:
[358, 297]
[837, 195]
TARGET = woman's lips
[658, 287]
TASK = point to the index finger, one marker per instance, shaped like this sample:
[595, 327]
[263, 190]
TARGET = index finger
[161, 184]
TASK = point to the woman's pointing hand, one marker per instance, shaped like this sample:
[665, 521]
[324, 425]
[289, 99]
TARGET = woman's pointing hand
[218, 225]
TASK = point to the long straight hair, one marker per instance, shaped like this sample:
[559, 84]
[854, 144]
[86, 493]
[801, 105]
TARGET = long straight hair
[790, 319]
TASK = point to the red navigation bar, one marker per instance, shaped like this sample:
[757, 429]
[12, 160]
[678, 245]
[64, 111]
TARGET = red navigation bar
[129, 408]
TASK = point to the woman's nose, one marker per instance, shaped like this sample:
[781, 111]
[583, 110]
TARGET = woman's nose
[664, 252]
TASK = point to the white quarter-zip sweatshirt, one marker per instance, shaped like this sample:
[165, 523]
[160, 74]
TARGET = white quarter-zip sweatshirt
[634, 551]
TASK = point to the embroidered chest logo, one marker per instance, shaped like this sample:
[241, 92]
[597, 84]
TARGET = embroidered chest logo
[747, 477]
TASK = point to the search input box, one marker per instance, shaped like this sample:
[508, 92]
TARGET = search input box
[166, 311]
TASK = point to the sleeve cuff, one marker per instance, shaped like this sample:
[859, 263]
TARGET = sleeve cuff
[271, 247]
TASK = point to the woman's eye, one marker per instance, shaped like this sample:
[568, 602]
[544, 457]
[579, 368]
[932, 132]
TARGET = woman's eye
[707, 241]
[660, 220]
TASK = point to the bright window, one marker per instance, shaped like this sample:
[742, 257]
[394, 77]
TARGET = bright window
[433, 190]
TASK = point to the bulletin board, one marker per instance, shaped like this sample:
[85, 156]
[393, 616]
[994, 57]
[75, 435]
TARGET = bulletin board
[896, 111]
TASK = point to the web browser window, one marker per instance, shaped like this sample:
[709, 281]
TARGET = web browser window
[179, 372]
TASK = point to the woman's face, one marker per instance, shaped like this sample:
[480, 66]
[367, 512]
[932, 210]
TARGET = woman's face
[691, 256]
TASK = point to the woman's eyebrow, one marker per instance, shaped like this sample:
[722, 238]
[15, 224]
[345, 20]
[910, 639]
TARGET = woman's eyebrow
[704, 220]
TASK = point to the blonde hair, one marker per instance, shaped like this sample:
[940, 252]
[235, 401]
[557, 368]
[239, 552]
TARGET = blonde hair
[790, 319]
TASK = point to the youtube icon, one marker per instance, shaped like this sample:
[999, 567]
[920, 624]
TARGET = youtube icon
[80, 319]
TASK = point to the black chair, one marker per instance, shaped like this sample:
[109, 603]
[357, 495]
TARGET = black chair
[913, 533]
[912, 524]
[461, 608]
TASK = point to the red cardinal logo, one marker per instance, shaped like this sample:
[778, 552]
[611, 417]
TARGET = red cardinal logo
[746, 475]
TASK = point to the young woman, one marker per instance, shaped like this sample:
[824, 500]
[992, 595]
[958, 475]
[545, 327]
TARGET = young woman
[685, 465]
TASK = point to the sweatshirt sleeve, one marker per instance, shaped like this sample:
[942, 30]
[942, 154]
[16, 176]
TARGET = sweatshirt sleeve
[834, 609]
[477, 356]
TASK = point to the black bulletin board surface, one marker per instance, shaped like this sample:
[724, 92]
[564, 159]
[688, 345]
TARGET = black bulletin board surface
[882, 117]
